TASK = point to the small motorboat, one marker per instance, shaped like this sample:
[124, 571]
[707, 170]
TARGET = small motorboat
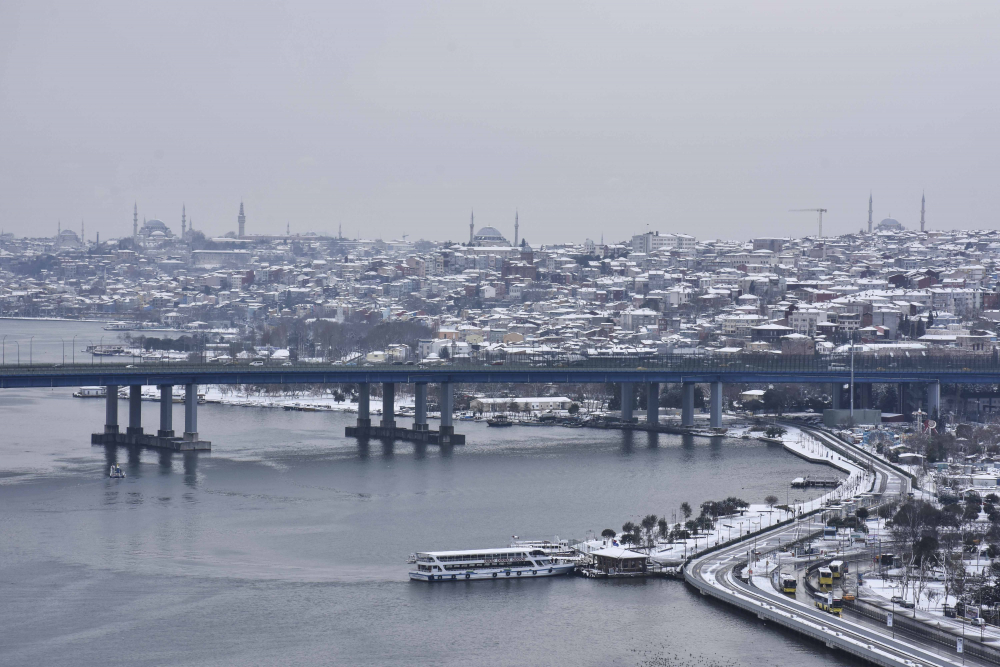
[116, 472]
[499, 420]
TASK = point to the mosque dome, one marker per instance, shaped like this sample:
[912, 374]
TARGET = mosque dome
[490, 236]
[154, 225]
[890, 224]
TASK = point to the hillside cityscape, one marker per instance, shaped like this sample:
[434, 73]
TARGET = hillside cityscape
[312, 297]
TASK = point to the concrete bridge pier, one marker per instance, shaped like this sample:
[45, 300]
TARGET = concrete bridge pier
[134, 410]
[111, 410]
[653, 404]
[716, 416]
[447, 408]
[420, 406]
[387, 428]
[388, 405]
[687, 404]
[166, 411]
[901, 397]
[933, 400]
[191, 412]
[836, 394]
[164, 438]
[866, 395]
[628, 396]
[364, 413]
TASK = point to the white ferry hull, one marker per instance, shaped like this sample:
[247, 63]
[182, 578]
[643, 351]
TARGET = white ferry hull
[504, 573]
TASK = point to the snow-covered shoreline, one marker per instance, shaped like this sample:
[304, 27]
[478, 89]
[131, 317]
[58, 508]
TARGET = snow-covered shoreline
[760, 516]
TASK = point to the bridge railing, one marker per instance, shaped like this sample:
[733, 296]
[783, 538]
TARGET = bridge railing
[898, 362]
[885, 364]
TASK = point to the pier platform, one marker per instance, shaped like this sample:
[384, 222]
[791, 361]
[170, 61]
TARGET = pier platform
[671, 429]
[408, 434]
[148, 440]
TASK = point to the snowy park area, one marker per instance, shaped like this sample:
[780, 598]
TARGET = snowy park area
[758, 516]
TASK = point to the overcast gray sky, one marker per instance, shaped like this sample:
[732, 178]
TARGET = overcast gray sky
[709, 118]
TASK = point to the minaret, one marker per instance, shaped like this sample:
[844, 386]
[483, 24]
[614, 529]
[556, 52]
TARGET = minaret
[515, 227]
[183, 221]
[59, 229]
[472, 226]
[869, 213]
[340, 231]
[135, 221]
[922, 201]
[242, 219]
[82, 235]
[288, 228]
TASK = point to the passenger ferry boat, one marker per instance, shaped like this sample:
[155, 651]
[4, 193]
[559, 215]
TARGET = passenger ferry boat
[548, 547]
[91, 392]
[107, 350]
[516, 562]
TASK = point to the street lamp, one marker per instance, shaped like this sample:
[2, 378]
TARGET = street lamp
[31, 344]
[18, 352]
[893, 601]
[63, 349]
[3, 355]
[72, 346]
[101, 348]
[852, 380]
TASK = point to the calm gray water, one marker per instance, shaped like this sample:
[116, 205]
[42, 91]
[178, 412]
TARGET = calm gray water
[287, 544]
[59, 341]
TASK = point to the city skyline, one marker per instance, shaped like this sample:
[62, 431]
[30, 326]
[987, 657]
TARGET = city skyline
[693, 120]
[187, 224]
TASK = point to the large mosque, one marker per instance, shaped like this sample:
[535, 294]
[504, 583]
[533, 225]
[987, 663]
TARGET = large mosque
[890, 224]
[490, 236]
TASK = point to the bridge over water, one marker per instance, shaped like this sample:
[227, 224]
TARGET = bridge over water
[900, 367]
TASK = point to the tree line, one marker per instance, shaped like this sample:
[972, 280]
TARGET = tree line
[653, 527]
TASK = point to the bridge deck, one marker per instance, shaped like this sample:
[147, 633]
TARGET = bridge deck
[972, 369]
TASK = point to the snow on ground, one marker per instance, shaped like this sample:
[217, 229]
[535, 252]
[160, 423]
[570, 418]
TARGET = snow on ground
[929, 606]
[228, 395]
[757, 516]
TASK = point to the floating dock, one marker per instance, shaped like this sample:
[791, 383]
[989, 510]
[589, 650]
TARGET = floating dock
[408, 434]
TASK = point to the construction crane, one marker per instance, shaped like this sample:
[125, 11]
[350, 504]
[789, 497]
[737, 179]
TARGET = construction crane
[821, 211]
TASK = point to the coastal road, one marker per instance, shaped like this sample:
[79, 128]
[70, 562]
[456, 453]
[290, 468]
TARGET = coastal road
[714, 574]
